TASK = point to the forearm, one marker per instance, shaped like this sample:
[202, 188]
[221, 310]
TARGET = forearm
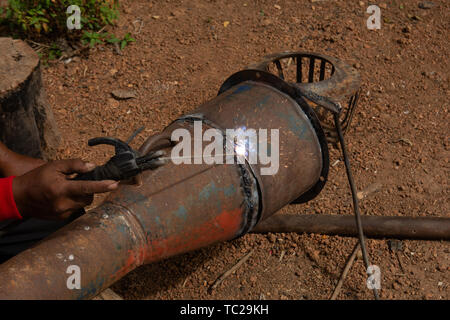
[14, 164]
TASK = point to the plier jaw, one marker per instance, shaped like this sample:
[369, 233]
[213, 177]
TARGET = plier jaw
[125, 164]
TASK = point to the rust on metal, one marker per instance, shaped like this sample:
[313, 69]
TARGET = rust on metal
[179, 208]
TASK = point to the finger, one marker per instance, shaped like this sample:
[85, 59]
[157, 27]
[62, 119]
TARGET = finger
[85, 188]
[156, 154]
[74, 166]
[155, 164]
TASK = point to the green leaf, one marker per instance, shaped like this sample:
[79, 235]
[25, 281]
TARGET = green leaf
[113, 39]
[128, 38]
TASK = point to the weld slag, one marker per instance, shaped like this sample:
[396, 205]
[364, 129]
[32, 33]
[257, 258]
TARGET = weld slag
[240, 145]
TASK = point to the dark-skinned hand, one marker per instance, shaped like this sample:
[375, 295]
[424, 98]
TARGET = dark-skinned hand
[46, 192]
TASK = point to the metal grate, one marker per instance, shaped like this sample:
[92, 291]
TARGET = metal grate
[322, 75]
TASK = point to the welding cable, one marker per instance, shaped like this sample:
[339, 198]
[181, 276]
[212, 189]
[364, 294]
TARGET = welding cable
[354, 197]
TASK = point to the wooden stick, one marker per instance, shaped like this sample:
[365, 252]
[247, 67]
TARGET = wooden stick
[108, 294]
[231, 270]
[348, 265]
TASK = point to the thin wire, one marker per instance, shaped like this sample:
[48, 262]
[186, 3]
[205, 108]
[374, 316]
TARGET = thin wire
[354, 197]
[134, 134]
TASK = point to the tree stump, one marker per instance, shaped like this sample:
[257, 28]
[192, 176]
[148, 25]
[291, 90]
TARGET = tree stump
[27, 125]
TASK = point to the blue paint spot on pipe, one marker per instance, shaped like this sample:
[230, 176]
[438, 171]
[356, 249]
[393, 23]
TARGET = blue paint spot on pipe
[295, 123]
[263, 102]
[209, 190]
[241, 88]
[229, 191]
[181, 212]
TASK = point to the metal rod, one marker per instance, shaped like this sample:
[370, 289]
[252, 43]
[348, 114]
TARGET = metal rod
[322, 70]
[280, 69]
[354, 197]
[421, 228]
[311, 69]
[299, 69]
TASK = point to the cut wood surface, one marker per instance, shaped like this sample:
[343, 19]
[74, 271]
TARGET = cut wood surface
[27, 125]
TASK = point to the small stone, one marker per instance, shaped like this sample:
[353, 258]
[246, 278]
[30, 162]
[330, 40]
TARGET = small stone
[177, 12]
[272, 238]
[426, 5]
[266, 22]
[314, 255]
[113, 103]
[406, 29]
[395, 245]
[123, 94]
[396, 286]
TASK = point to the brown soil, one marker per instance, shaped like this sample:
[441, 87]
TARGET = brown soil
[399, 136]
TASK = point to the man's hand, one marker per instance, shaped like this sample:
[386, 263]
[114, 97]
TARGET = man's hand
[47, 193]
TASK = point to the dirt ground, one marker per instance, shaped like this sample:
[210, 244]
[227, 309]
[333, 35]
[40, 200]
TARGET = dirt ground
[399, 137]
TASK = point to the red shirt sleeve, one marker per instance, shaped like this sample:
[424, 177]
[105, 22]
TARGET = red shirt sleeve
[8, 208]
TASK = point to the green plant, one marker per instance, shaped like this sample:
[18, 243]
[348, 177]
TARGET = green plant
[92, 38]
[46, 20]
[49, 17]
[54, 52]
[126, 40]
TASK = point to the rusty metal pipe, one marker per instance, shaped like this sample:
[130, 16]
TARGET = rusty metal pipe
[179, 208]
[420, 228]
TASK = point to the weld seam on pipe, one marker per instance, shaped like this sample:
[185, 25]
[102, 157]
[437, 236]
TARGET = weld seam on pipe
[135, 226]
[253, 205]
